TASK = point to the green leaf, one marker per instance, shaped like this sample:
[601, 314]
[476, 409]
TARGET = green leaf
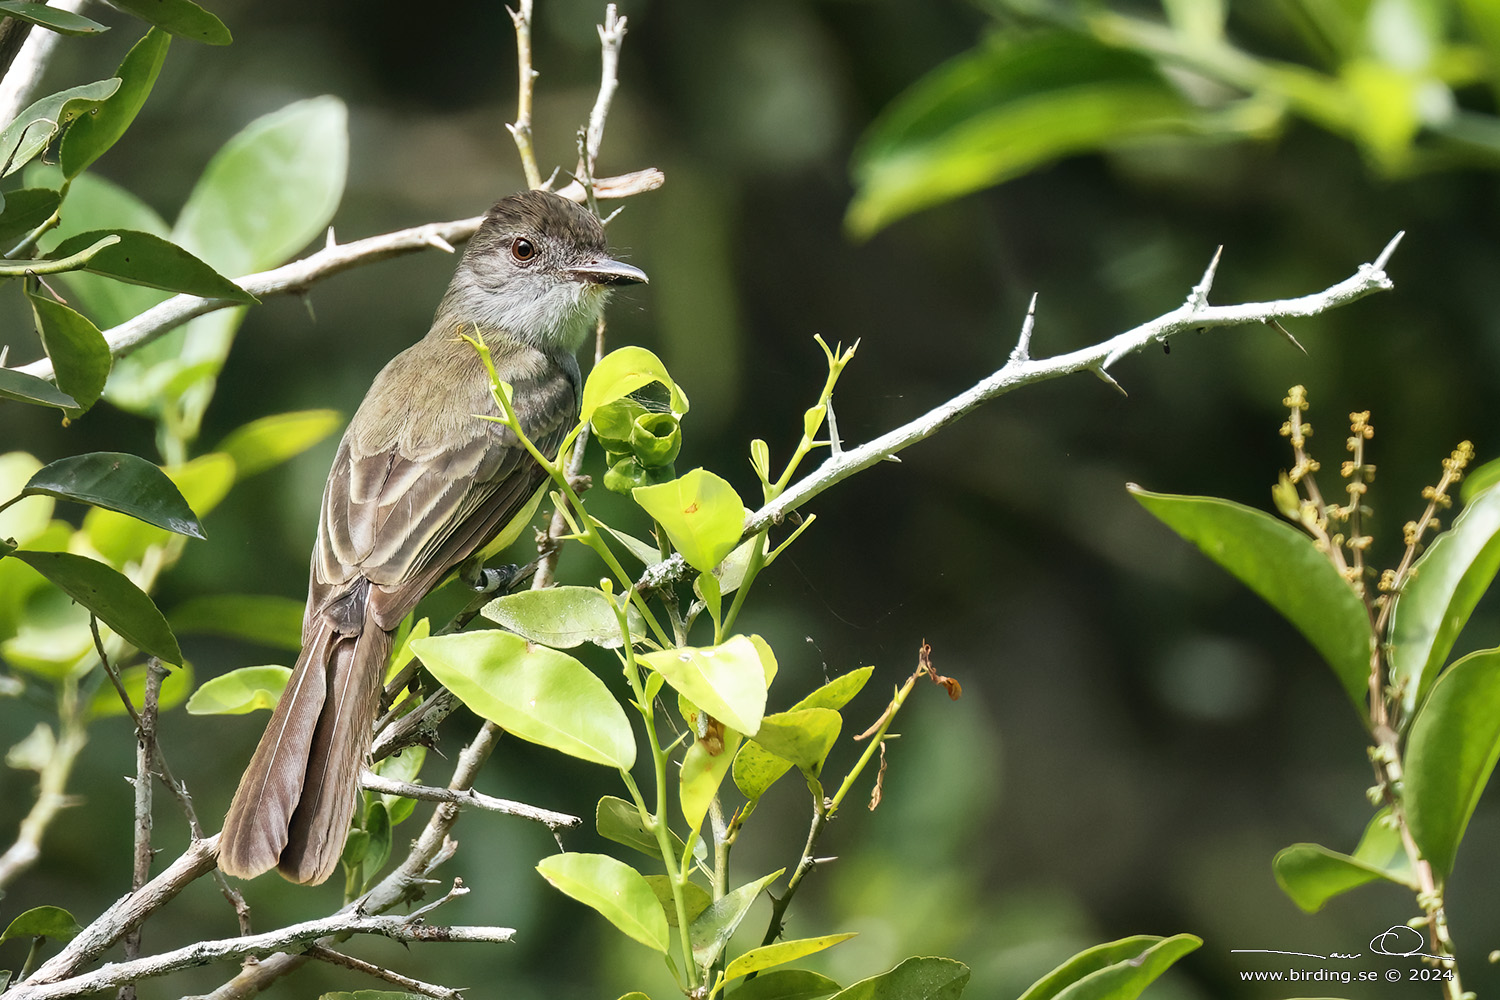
[614, 889]
[64, 22]
[726, 681]
[175, 688]
[25, 209]
[111, 596]
[1451, 750]
[240, 691]
[203, 482]
[265, 443]
[182, 18]
[1476, 482]
[95, 203]
[786, 984]
[43, 921]
[700, 512]
[30, 389]
[144, 259]
[1282, 565]
[534, 692]
[1311, 875]
[92, 135]
[771, 955]
[271, 621]
[34, 128]
[913, 979]
[756, 769]
[1435, 604]
[563, 617]
[713, 928]
[34, 752]
[695, 898]
[79, 354]
[270, 190]
[1010, 105]
[1119, 970]
[405, 766]
[620, 821]
[623, 371]
[701, 775]
[119, 482]
[803, 737]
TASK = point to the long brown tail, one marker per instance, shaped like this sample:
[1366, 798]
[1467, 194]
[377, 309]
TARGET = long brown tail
[294, 803]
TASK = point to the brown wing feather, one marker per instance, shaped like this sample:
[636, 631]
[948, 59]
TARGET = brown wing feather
[418, 484]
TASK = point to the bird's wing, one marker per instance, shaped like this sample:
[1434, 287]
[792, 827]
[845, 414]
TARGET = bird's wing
[403, 508]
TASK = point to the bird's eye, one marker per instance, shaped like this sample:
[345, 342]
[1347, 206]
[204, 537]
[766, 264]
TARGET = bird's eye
[522, 249]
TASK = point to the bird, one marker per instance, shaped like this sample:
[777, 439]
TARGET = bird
[420, 482]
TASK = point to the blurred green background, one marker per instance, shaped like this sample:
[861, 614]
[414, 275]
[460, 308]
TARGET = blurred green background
[1139, 735]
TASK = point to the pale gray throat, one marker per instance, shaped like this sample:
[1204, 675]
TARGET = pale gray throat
[549, 312]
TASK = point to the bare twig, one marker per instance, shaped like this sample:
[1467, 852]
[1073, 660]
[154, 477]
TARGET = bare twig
[127, 913]
[332, 957]
[468, 797]
[297, 937]
[145, 769]
[300, 275]
[521, 130]
[1020, 371]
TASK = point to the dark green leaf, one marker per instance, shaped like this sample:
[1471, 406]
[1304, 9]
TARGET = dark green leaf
[240, 691]
[620, 821]
[92, 135]
[64, 22]
[786, 984]
[1282, 565]
[1311, 875]
[1451, 750]
[144, 259]
[1008, 106]
[34, 128]
[1445, 585]
[378, 826]
[119, 482]
[78, 351]
[182, 18]
[111, 596]
[25, 209]
[265, 443]
[43, 921]
[30, 389]
[1119, 970]
[95, 203]
[271, 621]
[713, 928]
[913, 979]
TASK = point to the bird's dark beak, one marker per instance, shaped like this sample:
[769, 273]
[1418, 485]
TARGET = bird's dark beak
[608, 271]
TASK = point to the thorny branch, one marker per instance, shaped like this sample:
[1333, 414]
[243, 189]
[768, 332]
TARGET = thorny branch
[1021, 370]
